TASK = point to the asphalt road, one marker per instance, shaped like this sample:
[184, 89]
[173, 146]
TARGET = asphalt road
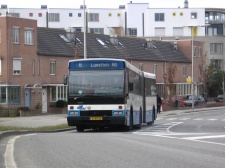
[188, 140]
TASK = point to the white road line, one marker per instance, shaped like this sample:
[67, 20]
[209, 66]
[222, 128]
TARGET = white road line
[171, 119]
[9, 152]
[204, 137]
[213, 119]
[184, 119]
[198, 119]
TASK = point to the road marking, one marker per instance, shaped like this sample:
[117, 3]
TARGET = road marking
[184, 119]
[171, 119]
[198, 119]
[9, 157]
[9, 152]
[213, 119]
[204, 137]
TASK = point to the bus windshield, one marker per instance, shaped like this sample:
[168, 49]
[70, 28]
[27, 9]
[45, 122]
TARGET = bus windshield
[96, 83]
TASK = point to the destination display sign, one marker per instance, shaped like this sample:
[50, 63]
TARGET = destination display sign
[97, 64]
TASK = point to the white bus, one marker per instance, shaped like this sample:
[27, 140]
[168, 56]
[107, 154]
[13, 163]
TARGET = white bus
[109, 93]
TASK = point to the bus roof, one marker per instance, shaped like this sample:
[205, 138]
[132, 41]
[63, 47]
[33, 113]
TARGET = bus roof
[129, 65]
[149, 75]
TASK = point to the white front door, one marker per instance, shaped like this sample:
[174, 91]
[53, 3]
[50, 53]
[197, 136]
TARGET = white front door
[44, 100]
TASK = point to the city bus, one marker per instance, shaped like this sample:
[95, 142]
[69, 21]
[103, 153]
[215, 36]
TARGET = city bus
[109, 93]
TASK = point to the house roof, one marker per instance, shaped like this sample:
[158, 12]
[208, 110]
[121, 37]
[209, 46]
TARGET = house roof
[103, 46]
[52, 43]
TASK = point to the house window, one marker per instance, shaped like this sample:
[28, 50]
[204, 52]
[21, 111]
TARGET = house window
[159, 31]
[216, 48]
[10, 95]
[174, 14]
[14, 15]
[39, 14]
[184, 70]
[38, 67]
[94, 17]
[193, 15]
[52, 67]
[118, 14]
[181, 14]
[16, 35]
[178, 31]
[79, 14]
[132, 31]
[58, 93]
[97, 30]
[29, 36]
[54, 17]
[33, 67]
[110, 14]
[31, 14]
[17, 66]
[155, 69]
[195, 51]
[70, 15]
[159, 17]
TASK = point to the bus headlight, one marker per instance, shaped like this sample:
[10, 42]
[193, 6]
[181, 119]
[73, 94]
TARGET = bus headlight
[74, 113]
[116, 113]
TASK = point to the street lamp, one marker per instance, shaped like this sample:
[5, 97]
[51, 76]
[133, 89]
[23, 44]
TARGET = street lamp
[85, 48]
[192, 61]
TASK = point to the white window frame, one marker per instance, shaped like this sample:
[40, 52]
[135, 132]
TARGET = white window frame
[33, 67]
[52, 67]
[29, 36]
[159, 17]
[16, 35]
[60, 93]
[93, 17]
[38, 67]
[17, 66]
[155, 69]
[54, 17]
[185, 70]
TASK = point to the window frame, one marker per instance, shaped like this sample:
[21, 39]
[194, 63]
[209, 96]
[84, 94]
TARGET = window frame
[159, 17]
[17, 66]
[16, 35]
[29, 36]
[52, 67]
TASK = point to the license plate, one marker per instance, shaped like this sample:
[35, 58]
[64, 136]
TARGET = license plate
[95, 118]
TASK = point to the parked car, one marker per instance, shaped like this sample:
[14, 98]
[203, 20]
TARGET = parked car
[164, 102]
[219, 98]
[197, 100]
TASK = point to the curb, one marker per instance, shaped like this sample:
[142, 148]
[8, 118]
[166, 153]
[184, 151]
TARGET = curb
[22, 132]
[190, 110]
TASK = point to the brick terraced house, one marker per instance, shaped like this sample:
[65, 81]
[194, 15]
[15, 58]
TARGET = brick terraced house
[33, 60]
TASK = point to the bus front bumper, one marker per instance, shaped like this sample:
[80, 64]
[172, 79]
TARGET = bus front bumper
[96, 121]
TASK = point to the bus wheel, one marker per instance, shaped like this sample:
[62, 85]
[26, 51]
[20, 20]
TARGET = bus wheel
[80, 128]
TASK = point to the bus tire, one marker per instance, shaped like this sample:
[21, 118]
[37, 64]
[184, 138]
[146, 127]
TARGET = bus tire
[80, 128]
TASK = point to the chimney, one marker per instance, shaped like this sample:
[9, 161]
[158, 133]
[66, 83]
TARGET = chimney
[43, 6]
[186, 4]
[3, 6]
[175, 46]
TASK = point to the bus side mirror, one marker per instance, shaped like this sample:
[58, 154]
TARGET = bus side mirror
[65, 78]
[131, 86]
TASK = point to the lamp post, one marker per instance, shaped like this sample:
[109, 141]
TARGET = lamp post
[192, 67]
[192, 61]
[85, 48]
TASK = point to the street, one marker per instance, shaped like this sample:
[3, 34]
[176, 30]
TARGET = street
[195, 140]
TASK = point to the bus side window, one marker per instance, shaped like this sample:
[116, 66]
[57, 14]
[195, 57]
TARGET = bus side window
[130, 86]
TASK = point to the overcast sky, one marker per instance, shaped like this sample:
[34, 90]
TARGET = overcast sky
[111, 3]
